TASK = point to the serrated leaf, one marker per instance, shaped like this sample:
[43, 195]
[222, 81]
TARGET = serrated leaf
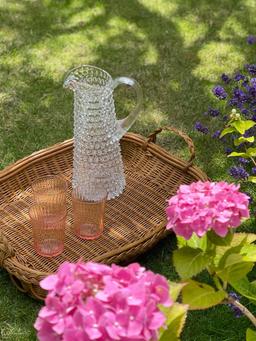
[251, 151]
[234, 268]
[244, 238]
[194, 242]
[242, 139]
[249, 124]
[248, 253]
[222, 252]
[189, 262]
[175, 289]
[238, 240]
[217, 240]
[226, 131]
[201, 296]
[245, 288]
[252, 179]
[250, 335]
[175, 322]
[235, 154]
[242, 126]
[239, 126]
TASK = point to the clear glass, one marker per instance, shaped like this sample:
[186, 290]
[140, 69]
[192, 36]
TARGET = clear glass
[88, 216]
[48, 226]
[50, 190]
[97, 154]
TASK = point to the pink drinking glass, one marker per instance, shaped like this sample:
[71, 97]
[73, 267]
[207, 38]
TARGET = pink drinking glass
[50, 190]
[48, 226]
[88, 216]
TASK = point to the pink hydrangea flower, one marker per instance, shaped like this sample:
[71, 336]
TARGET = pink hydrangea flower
[204, 206]
[90, 301]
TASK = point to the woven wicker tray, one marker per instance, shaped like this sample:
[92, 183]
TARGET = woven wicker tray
[134, 222]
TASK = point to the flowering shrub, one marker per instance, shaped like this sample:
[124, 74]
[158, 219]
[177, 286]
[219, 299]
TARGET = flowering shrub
[235, 120]
[202, 215]
[90, 301]
[205, 206]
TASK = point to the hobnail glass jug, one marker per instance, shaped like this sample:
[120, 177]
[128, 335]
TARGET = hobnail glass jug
[97, 160]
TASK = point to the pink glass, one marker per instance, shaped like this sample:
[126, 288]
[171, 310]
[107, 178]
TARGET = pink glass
[50, 190]
[48, 226]
[88, 216]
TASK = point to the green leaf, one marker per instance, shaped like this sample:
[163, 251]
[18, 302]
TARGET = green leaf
[189, 262]
[250, 335]
[194, 242]
[245, 288]
[248, 253]
[226, 131]
[217, 240]
[242, 139]
[235, 154]
[244, 238]
[175, 289]
[238, 241]
[252, 179]
[251, 151]
[249, 124]
[201, 296]
[234, 268]
[222, 252]
[176, 317]
[242, 126]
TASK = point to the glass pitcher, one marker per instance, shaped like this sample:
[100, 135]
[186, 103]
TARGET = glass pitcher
[97, 163]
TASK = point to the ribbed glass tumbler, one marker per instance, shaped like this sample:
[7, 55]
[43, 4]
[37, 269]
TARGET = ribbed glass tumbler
[88, 216]
[48, 226]
[50, 190]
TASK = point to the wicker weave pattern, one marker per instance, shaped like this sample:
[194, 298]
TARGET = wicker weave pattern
[134, 222]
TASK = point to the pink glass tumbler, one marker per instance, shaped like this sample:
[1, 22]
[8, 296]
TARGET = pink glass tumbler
[48, 226]
[88, 216]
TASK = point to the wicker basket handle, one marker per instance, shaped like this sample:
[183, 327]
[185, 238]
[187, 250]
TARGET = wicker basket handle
[186, 138]
[6, 251]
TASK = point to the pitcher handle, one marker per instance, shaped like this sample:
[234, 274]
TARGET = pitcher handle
[124, 124]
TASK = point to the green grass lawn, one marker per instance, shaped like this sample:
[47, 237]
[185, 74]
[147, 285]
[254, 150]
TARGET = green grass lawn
[176, 49]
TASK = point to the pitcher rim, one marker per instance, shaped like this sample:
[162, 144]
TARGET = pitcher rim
[89, 66]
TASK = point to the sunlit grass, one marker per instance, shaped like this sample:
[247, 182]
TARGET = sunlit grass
[176, 49]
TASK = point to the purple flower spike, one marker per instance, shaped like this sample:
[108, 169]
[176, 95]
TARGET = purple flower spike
[216, 134]
[238, 77]
[251, 68]
[219, 92]
[213, 112]
[199, 127]
[253, 170]
[237, 312]
[243, 161]
[228, 150]
[238, 172]
[225, 78]
[251, 39]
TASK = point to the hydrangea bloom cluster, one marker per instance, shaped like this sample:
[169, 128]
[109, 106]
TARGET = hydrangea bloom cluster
[237, 92]
[204, 206]
[90, 301]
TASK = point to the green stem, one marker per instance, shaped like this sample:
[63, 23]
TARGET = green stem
[217, 282]
[254, 162]
[242, 308]
[225, 284]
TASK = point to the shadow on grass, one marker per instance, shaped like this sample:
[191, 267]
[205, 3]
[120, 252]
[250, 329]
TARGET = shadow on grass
[162, 44]
[37, 111]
